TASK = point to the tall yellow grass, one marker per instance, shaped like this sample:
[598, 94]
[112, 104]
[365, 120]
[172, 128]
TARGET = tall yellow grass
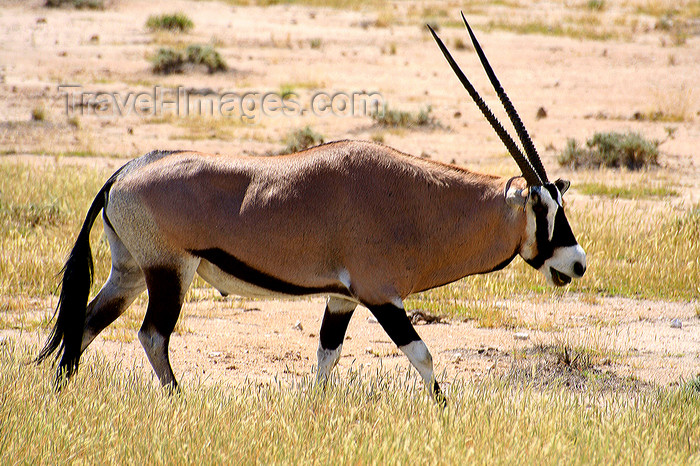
[109, 416]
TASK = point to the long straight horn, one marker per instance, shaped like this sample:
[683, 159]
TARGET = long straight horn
[526, 168]
[510, 109]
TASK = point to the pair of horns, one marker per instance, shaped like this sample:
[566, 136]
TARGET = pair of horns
[531, 166]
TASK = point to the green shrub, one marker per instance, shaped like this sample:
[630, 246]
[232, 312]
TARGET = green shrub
[596, 5]
[167, 61]
[402, 119]
[301, 139]
[171, 22]
[615, 150]
[207, 56]
[80, 4]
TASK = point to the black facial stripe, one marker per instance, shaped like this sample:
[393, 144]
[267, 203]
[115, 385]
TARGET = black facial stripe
[544, 247]
[244, 272]
[553, 191]
[562, 237]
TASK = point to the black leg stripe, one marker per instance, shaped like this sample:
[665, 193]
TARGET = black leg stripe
[164, 304]
[395, 323]
[333, 329]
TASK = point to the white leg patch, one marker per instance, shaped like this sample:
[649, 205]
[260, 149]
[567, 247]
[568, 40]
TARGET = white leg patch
[420, 358]
[154, 345]
[335, 304]
[327, 359]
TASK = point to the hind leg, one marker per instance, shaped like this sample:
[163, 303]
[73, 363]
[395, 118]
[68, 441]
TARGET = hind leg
[166, 291]
[126, 281]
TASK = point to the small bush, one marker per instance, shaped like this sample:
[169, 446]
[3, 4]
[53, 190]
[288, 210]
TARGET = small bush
[39, 113]
[301, 139]
[402, 119]
[207, 56]
[167, 61]
[693, 384]
[596, 5]
[178, 22]
[615, 150]
[461, 45]
[287, 91]
[80, 4]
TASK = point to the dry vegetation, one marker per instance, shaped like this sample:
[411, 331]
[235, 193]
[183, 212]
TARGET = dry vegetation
[581, 389]
[369, 417]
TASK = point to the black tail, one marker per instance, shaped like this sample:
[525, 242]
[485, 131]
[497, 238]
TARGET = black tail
[67, 334]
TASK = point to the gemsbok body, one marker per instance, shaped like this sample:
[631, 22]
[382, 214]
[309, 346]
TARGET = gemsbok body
[358, 222]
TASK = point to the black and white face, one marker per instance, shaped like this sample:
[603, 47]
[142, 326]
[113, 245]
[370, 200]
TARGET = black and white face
[550, 245]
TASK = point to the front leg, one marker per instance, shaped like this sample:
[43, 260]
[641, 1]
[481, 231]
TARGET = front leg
[393, 319]
[336, 318]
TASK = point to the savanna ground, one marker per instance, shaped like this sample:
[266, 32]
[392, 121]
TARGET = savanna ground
[595, 372]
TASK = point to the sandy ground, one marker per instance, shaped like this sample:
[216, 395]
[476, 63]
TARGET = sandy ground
[231, 340]
[584, 85]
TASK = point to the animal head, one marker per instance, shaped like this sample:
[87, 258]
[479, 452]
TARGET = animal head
[548, 245]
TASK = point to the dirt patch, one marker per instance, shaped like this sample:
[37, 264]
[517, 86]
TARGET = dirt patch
[544, 366]
[231, 341]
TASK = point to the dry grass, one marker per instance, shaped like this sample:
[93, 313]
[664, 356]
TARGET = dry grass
[199, 127]
[41, 209]
[673, 105]
[633, 250]
[628, 191]
[381, 417]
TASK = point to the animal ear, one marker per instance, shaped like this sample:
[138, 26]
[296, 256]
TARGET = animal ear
[562, 185]
[516, 198]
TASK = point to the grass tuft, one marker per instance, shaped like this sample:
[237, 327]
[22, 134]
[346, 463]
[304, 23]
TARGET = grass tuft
[301, 139]
[694, 384]
[176, 22]
[39, 113]
[615, 150]
[393, 118]
[79, 4]
[207, 56]
[167, 61]
[627, 192]
[596, 5]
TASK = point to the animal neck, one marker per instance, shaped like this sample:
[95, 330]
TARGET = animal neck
[477, 232]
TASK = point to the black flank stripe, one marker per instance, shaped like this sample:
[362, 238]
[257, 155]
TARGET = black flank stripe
[244, 272]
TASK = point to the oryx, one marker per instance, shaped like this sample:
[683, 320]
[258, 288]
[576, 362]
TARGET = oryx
[358, 222]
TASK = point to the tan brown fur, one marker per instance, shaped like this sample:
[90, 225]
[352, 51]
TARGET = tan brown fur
[397, 224]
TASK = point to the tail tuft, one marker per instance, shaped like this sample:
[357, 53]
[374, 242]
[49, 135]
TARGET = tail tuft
[66, 336]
